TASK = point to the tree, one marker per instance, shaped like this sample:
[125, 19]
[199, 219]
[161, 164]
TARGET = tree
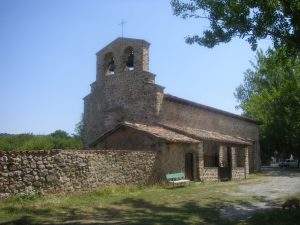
[249, 19]
[270, 93]
[79, 129]
[60, 134]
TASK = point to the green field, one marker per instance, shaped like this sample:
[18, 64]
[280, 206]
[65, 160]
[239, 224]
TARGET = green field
[197, 203]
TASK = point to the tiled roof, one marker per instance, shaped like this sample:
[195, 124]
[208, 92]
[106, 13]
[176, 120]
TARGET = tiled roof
[161, 132]
[157, 131]
[207, 135]
[178, 134]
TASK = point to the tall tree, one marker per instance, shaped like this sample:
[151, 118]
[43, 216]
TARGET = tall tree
[79, 129]
[271, 93]
[249, 19]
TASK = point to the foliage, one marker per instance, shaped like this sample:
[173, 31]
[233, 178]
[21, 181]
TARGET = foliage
[79, 127]
[249, 19]
[59, 134]
[271, 93]
[56, 140]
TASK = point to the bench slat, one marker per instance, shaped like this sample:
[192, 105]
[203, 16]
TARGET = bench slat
[175, 176]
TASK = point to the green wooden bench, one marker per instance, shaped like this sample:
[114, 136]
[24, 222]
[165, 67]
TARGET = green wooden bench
[177, 178]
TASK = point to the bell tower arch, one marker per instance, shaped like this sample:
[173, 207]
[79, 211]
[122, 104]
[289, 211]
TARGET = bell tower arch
[127, 54]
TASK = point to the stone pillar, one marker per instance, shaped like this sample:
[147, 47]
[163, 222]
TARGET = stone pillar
[141, 58]
[246, 165]
[200, 161]
[233, 157]
[223, 161]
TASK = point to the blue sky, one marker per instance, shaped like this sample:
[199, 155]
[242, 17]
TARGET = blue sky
[47, 58]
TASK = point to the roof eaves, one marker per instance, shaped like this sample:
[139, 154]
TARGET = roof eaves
[194, 136]
[161, 136]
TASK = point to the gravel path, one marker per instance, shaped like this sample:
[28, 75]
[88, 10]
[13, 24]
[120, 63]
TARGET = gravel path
[278, 184]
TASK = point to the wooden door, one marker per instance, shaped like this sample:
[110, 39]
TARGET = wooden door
[189, 166]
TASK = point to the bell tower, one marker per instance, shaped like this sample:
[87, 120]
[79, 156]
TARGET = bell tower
[124, 89]
[123, 55]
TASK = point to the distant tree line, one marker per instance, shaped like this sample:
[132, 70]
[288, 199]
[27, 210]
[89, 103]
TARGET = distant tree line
[56, 140]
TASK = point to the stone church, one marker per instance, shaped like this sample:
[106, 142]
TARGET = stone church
[126, 109]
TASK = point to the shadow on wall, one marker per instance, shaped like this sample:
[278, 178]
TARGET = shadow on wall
[157, 175]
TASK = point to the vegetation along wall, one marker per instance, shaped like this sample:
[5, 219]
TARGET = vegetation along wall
[29, 172]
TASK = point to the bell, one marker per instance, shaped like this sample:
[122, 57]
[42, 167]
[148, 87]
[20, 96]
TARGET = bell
[111, 65]
[129, 62]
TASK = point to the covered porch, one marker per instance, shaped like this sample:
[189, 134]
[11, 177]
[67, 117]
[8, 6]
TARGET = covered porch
[219, 157]
[223, 161]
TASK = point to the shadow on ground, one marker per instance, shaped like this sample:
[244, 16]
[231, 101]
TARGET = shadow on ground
[281, 172]
[134, 211]
[128, 211]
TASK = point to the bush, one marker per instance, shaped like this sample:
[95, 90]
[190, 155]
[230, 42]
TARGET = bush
[38, 143]
[57, 140]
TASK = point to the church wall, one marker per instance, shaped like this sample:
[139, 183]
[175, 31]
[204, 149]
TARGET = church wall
[174, 113]
[118, 98]
[23, 173]
[173, 158]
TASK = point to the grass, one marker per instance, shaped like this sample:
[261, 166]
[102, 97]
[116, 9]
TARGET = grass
[195, 204]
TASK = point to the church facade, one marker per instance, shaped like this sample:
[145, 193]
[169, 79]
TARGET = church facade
[126, 109]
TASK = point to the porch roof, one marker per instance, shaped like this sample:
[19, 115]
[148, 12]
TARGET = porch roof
[154, 130]
[207, 135]
[161, 132]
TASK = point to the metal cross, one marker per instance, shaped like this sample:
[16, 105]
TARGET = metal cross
[122, 24]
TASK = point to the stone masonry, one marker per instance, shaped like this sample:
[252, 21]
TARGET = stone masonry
[73, 170]
[125, 90]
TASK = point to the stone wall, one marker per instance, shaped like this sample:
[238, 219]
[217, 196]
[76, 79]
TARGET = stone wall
[173, 158]
[70, 170]
[209, 174]
[180, 114]
[238, 173]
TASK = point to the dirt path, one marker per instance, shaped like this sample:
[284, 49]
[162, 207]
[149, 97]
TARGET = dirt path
[278, 184]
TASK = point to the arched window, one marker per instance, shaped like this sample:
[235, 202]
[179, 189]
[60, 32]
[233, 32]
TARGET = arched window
[109, 64]
[128, 58]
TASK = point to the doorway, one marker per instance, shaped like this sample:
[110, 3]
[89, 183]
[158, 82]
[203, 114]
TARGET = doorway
[225, 170]
[189, 166]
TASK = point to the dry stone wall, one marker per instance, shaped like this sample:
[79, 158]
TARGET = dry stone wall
[71, 170]
[238, 173]
[209, 174]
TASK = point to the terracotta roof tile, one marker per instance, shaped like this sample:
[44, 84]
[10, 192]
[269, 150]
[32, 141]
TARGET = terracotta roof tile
[162, 132]
[207, 135]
